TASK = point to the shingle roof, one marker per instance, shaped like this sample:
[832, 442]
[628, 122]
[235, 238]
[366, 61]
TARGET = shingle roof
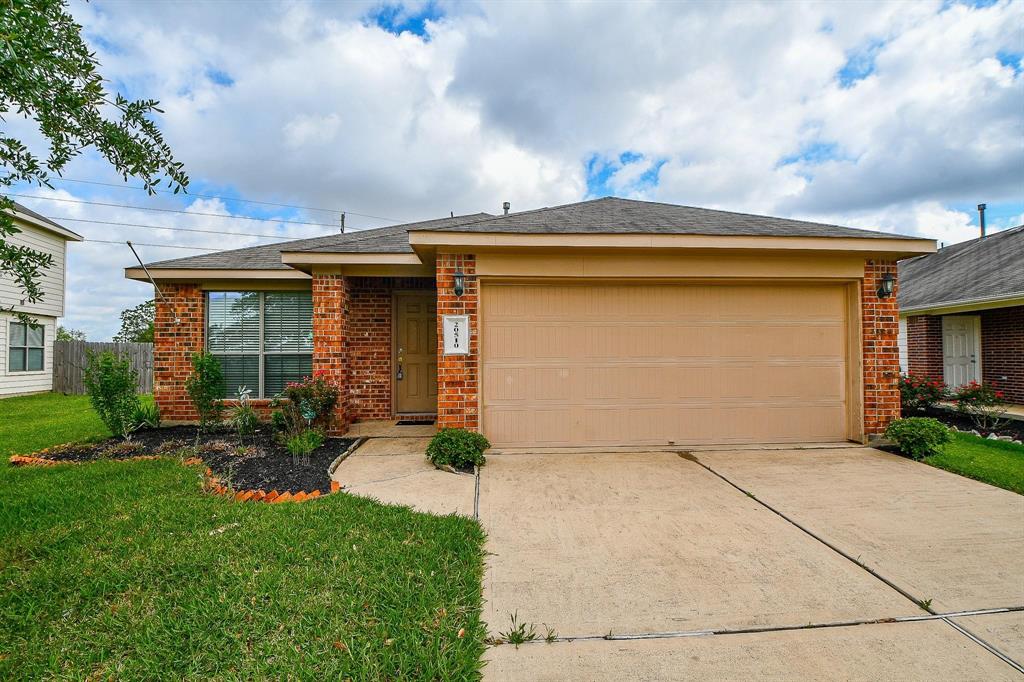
[391, 239]
[38, 216]
[612, 215]
[985, 268]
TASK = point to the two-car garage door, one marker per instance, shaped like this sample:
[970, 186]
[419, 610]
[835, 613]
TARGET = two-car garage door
[566, 364]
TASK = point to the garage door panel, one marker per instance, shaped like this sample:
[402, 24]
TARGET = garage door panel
[663, 363]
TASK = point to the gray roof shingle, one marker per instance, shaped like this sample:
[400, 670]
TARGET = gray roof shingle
[612, 215]
[391, 239]
[979, 269]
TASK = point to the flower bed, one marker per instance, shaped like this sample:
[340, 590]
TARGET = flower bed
[258, 464]
[1010, 427]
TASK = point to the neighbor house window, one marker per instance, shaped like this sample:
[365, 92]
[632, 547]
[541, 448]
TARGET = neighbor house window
[25, 350]
[263, 339]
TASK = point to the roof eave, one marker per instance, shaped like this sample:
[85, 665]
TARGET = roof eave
[193, 274]
[58, 230]
[965, 305]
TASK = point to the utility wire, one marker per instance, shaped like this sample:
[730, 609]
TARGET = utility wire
[183, 229]
[171, 210]
[247, 201]
[159, 246]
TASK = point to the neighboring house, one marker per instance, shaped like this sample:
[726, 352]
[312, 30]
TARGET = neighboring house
[606, 322]
[962, 313]
[26, 360]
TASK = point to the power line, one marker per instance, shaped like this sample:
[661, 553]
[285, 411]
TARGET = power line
[171, 210]
[160, 246]
[180, 229]
[247, 201]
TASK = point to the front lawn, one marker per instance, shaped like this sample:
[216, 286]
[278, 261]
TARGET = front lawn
[998, 463]
[33, 422]
[126, 570]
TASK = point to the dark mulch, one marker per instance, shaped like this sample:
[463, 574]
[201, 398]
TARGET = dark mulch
[1010, 427]
[258, 464]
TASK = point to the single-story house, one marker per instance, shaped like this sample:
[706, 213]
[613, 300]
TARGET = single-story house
[962, 313]
[26, 360]
[600, 323]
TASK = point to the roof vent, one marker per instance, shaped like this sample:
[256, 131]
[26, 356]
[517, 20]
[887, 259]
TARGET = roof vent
[981, 218]
[343, 223]
[506, 206]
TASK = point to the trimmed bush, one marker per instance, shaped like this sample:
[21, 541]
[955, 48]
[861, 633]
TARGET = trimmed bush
[457, 448]
[919, 437]
[111, 383]
[204, 387]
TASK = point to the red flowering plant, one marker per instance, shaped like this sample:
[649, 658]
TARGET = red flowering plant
[304, 405]
[984, 403]
[920, 392]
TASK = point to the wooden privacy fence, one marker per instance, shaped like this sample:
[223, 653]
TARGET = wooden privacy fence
[70, 360]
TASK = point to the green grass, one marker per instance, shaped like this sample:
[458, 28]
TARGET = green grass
[127, 570]
[34, 422]
[998, 463]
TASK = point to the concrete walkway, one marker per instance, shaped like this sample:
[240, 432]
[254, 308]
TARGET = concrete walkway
[697, 551]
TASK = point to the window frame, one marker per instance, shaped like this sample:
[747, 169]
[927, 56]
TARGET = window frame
[261, 353]
[26, 347]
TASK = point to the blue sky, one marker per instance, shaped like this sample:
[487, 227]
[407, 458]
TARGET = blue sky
[901, 118]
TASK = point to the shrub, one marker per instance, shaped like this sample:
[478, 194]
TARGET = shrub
[147, 416]
[244, 418]
[920, 392]
[279, 421]
[919, 437]
[306, 404]
[983, 403]
[457, 448]
[111, 383]
[204, 388]
[302, 445]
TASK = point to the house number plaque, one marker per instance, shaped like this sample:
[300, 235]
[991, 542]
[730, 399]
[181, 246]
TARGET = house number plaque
[456, 334]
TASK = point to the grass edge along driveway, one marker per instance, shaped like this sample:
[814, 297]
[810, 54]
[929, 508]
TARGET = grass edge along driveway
[995, 462]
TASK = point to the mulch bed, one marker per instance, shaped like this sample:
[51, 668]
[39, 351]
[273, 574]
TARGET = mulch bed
[258, 464]
[1010, 427]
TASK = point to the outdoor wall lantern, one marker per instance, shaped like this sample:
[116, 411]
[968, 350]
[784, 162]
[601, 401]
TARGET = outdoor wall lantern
[885, 285]
[460, 283]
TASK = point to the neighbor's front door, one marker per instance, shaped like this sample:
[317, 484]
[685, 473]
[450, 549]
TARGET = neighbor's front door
[415, 353]
[960, 349]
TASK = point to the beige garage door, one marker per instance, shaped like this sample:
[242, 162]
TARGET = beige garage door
[607, 364]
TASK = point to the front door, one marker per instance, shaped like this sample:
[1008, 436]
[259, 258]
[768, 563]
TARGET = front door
[415, 353]
[960, 349]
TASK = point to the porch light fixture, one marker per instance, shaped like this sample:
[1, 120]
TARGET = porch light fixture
[885, 286]
[460, 283]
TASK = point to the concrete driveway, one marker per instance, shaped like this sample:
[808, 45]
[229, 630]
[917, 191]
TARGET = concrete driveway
[727, 564]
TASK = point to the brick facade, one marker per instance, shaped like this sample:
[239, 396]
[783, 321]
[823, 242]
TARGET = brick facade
[370, 342]
[880, 329]
[177, 334]
[924, 346]
[330, 339]
[1002, 350]
[458, 375]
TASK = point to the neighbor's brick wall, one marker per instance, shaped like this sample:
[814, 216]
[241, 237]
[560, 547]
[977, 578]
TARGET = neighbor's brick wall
[330, 340]
[924, 345]
[370, 346]
[458, 375]
[880, 329]
[1002, 350]
[173, 346]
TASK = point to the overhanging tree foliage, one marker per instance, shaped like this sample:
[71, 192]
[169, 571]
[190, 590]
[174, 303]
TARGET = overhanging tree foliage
[49, 75]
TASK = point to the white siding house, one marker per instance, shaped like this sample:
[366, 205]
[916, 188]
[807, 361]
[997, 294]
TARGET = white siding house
[26, 354]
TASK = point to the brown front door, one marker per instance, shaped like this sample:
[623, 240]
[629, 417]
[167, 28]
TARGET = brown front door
[416, 353]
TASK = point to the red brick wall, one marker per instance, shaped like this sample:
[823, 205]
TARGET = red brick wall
[880, 328]
[457, 375]
[370, 348]
[924, 345]
[173, 346]
[1002, 350]
[330, 340]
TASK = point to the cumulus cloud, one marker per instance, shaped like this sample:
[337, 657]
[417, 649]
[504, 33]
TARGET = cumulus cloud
[887, 115]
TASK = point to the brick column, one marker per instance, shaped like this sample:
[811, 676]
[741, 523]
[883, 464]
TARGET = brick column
[457, 375]
[177, 334]
[330, 340]
[924, 345]
[880, 327]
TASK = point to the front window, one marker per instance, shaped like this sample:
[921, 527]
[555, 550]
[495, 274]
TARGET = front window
[263, 339]
[25, 350]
